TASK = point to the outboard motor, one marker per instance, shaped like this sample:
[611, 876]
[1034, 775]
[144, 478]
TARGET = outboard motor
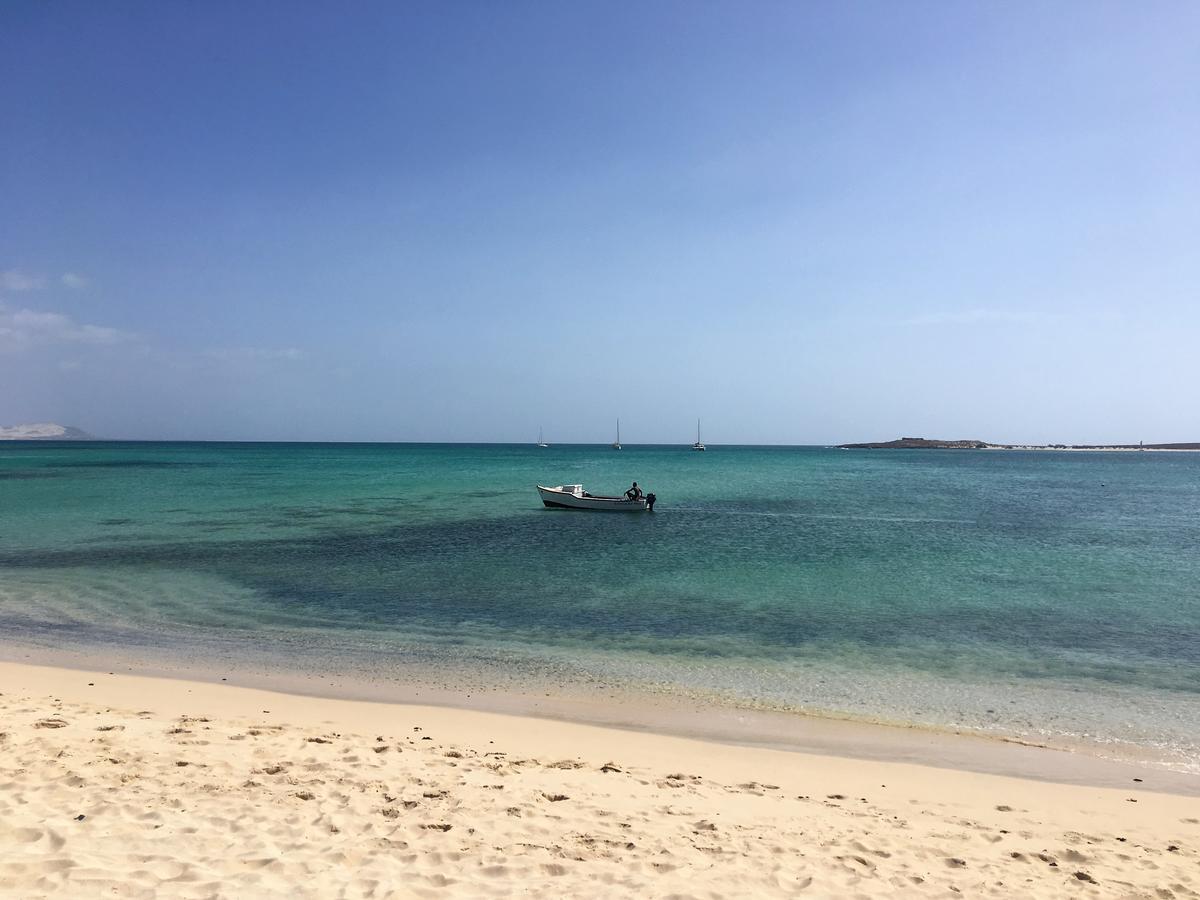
[650, 498]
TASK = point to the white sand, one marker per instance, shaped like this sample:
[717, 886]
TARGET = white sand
[122, 786]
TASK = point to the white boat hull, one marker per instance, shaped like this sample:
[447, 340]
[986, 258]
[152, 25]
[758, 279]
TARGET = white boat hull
[573, 496]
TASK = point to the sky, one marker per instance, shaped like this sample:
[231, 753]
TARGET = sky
[805, 222]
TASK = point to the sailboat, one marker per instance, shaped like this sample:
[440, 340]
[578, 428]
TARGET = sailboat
[699, 445]
[541, 440]
[616, 445]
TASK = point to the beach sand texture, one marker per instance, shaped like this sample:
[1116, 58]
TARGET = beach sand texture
[122, 786]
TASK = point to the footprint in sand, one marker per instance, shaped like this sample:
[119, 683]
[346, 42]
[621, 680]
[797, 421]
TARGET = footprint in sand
[50, 723]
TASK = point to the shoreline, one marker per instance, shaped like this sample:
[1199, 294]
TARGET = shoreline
[144, 786]
[669, 715]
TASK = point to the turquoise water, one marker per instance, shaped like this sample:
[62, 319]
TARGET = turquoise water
[1054, 595]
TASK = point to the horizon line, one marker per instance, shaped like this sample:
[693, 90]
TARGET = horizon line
[825, 445]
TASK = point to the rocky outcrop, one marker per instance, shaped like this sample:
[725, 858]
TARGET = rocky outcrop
[914, 443]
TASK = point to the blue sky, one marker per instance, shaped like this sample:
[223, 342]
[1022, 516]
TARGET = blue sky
[805, 222]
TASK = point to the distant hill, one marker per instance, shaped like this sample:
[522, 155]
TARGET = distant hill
[43, 431]
[912, 443]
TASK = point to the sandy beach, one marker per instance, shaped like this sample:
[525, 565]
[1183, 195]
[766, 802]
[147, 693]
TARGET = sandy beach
[128, 786]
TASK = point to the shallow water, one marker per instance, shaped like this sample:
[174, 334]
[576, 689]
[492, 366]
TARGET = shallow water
[1035, 594]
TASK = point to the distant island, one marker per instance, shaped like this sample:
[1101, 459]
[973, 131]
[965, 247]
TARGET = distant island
[915, 443]
[43, 431]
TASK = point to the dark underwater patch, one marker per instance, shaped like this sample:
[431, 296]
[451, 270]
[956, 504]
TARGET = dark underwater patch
[127, 464]
[691, 575]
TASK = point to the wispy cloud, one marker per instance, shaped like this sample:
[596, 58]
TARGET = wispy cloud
[15, 280]
[18, 281]
[255, 354]
[23, 328]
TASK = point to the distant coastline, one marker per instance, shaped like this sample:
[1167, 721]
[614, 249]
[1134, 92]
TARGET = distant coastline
[43, 431]
[915, 443]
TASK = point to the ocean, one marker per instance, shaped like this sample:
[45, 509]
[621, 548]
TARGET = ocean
[1036, 595]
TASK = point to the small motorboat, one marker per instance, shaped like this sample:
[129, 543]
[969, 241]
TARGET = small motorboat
[573, 496]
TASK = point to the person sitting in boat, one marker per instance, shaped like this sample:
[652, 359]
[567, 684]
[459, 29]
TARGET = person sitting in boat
[634, 493]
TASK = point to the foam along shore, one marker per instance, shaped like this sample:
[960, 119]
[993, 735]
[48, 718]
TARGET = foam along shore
[134, 786]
